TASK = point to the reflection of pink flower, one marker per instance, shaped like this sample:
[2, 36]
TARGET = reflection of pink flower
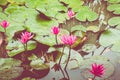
[55, 30]
[97, 70]
[68, 39]
[71, 13]
[25, 37]
[4, 24]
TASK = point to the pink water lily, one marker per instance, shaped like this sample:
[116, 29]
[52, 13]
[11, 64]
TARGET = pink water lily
[97, 70]
[68, 39]
[25, 37]
[4, 24]
[55, 30]
[71, 13]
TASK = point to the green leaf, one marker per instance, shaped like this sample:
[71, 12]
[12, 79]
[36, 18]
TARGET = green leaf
[3, 2]
[74, 4]
[89, 48]
[86, 13]
[17, 47]
[114, 21]
[93, 28]
[38, 64]
[45, 36]
[75, 59]
[113, 1]
[115, 8]
[10, 68]
[109, 37]
[78, 28]
[17, 1]
[86, 65]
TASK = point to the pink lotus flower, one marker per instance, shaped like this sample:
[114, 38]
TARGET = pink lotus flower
[25, 37]
[55, 30]
[97, 70]
[4, 24]
[68, 39]
[71, 13]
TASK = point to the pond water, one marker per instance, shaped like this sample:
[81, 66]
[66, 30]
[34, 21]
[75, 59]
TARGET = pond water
[114, 58]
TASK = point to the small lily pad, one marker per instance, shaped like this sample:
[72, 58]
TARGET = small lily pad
[86, 13]
[16, 47]
[114, 21]
[115, 8]
[93, 28]
[38, 64]
[88, 48]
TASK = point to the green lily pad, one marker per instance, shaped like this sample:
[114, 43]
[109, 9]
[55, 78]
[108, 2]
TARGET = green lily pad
[16, 1]
[114, 21]
[78, 28]
[10, 68]
[89, 48]
[86, 65]
[38, 64]
[48, 38]
[113, 1]
[74, 4]
[75, 59]
[3, 2]
[115, 8]
[17, 47]
[93, 28]
[86, 13]
[110, 37]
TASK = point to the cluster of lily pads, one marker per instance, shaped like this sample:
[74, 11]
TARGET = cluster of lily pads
[68, 33]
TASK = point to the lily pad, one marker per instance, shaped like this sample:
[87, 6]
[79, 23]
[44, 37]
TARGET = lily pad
[113, 1]
[75, 59]
[114, 21]
[110, 37]
[88, 48]
[115, 8]
[85, 66]
[16, 47]
[10, 68]
[74, 4]
[78, 28]
[93, 28]
[3, 2]
[86, 13]
[48, 38]
[38, 64]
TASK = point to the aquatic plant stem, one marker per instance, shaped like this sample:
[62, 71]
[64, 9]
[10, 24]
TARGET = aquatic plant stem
[94, 78]
[60, 61]
[56, 39]
[68, 62]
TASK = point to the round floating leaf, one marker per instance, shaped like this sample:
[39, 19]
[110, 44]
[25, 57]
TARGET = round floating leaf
[3, 2]
[74, 4]
[17, 1]
[38, 64]
[86, 65]
[109, 37]
[93, 28]
[10, 68]
[16, 47]
[113, 1]
[88, 48]
[115, 21]
[78, 28]
[86, 14]
[115, 8]
[75, 59]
